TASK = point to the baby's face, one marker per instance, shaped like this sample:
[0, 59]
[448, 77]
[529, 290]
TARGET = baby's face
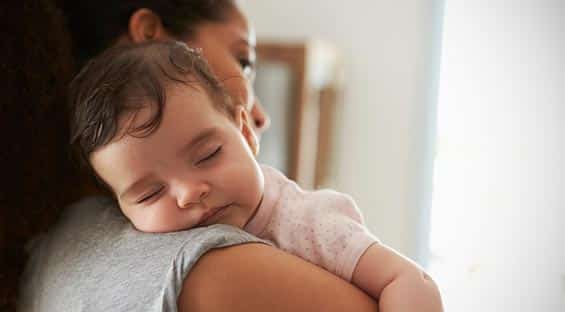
[197, 168]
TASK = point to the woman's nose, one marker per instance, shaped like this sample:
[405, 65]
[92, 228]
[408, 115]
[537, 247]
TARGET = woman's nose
[192, 193]
[261, 120]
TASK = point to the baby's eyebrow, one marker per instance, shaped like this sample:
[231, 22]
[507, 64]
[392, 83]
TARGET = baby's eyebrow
[201, 136]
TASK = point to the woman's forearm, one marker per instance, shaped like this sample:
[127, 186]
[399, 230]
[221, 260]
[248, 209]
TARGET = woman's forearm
[257, 277]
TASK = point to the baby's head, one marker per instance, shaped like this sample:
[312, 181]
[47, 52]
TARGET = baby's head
[160, 133]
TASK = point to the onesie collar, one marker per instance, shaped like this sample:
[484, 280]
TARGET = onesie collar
[271, 196]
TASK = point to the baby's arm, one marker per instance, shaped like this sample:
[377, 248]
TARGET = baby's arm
[396, 282]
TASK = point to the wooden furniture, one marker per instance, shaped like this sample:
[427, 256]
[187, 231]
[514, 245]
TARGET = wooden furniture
[299, 84]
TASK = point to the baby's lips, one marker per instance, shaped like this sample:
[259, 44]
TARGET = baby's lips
[205, 217]
[210, 213]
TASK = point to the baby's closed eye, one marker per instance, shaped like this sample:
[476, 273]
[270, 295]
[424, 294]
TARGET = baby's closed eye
[209, 154]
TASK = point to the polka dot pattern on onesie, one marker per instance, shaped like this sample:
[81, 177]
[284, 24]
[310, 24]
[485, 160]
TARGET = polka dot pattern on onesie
[324, 227]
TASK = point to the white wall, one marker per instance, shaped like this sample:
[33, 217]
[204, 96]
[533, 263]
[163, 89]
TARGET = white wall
[498, 231]
[383, 155]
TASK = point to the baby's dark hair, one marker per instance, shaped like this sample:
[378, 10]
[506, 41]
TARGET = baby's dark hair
[127, 78]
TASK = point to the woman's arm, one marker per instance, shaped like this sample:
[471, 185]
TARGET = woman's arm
[257, 277]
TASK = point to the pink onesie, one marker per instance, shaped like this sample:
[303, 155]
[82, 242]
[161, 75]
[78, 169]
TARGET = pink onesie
[324, 227]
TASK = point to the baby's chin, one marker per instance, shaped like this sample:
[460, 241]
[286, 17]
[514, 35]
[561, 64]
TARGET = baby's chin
[229, 216]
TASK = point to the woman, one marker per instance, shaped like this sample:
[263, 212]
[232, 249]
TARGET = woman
[93, 261]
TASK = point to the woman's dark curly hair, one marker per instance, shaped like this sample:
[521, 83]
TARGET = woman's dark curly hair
[95, 24]
[44, 42]
[37, 176]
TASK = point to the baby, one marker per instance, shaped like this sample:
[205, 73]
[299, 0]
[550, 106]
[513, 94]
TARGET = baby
[159, 131]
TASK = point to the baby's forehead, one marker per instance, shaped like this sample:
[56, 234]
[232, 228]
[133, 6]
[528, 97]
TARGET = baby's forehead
[135, 120]
[146, 115]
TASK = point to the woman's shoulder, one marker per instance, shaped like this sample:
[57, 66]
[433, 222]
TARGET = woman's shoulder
[93, 257]
[266, 279]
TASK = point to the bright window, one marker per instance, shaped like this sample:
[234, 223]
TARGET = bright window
[497, 231]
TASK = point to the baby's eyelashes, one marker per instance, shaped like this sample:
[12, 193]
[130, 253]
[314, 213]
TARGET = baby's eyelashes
[150, 195]
[210, 155]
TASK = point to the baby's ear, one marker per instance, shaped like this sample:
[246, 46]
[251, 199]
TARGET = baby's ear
[243, 123]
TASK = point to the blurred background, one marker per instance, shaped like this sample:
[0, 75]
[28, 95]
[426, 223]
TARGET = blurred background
[445, 120]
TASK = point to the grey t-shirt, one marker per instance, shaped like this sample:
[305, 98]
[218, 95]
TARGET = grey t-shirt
[94, 260]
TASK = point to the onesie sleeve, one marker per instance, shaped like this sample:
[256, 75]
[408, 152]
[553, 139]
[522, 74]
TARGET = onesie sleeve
[327, 229]
[347, 224]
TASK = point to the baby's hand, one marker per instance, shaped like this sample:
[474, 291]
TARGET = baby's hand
[396, 282]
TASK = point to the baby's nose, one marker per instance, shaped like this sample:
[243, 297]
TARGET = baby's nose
[192, 195]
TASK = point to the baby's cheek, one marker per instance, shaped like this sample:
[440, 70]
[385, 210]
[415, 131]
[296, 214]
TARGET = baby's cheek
[150, 222]
[142, 226]
[244, 181]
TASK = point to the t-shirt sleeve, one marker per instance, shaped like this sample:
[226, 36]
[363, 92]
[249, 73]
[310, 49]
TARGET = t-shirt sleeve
[215, 236]
[94, 260]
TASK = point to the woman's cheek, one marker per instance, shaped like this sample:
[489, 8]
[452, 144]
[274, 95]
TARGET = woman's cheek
[237, 88]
